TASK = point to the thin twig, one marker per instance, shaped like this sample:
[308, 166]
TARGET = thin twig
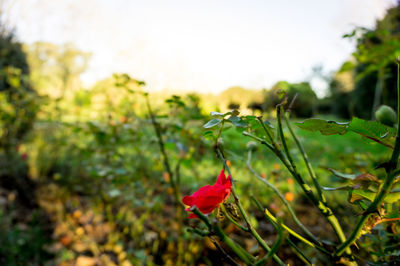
[229, 258]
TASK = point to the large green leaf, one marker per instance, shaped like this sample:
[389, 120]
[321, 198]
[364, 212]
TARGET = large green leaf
[373, 130]
[323, 126]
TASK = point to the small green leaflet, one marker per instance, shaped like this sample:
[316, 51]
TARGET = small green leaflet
[342, 175]
[212, 123]
[233, 113]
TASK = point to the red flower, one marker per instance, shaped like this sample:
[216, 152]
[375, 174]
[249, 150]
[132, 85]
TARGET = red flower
[207, 198]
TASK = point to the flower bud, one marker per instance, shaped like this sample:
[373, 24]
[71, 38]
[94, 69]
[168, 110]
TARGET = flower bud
[386, 115]
[251, 146]
[221, 142]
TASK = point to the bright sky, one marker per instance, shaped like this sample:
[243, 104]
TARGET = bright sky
[204, 46]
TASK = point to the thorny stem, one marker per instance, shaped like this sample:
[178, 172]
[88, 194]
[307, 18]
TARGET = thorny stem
[284, 201]
[244, 214]
[297, 251]
[214, 228]
[229, 258]
[322, 207]
[275, 247]
[306, 160]
[387, 185]
[274, 220]
[232, 220]
[282, 136]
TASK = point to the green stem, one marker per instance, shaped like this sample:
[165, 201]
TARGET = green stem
[163, 152]
[322, 207]
[387, 185]
[284, 201]
[385, 189]
[244, 214]
[275, 247]
[232, 220]
[296, 249]
[217, 230]
[299, 253]
[282, 136]
[306, 160]
[274, 220]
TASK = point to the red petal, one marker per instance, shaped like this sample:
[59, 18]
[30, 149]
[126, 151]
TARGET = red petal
[202, 191]
[192, 216]
[228, 184]
[221, 178]
[188, 200]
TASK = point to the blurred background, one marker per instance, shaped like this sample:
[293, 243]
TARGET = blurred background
[81, 176]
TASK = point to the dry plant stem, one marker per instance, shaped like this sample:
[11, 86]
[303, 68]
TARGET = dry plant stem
[163, 152]
[214, 228]
[284, 201]
[322, 207]
[229, 258]
[298, 252]
[172, 182]
[244, 214]
[387, 185]
[275, 247]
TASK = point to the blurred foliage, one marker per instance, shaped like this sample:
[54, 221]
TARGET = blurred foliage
[369, 78]
[83, 180]
[18, 101]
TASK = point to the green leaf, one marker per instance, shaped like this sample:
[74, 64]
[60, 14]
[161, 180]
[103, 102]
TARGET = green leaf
[170, 145]
[392, 197]
[217, 114]
[208, 133]
[370, 129]
[347, 66]
[268, 124]
[237, 121]
[374, 131]
[360, 194]
[336, 188]
[323, 126]
[212, 123]
[342, 175]
[114, 193]
[233, 113]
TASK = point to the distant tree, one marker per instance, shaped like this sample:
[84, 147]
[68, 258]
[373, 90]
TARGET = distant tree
[238, 96]
[19, 99]
[374, 67]
[233, 105]
[56, 68]
[256, 106]
[304, 104]
[19, 104]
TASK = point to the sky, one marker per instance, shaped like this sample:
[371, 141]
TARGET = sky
[203, 46]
